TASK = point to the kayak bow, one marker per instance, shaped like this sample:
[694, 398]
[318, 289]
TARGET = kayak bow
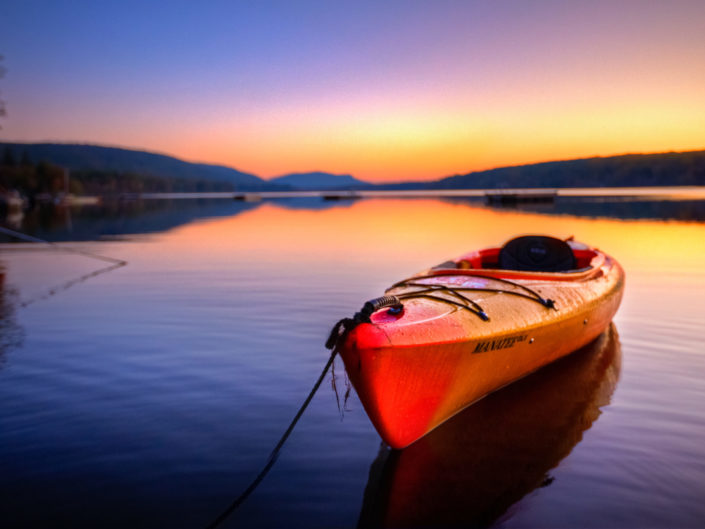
[446, 337]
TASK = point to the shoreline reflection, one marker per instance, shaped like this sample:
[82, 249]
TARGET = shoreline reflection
[11, 333]
[119, 219]
[473, 468]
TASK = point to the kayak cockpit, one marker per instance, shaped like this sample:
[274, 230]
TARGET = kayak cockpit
[528, 257]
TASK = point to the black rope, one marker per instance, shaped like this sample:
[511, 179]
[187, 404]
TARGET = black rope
[344, 326]
[446, 289]
[422, 294]
[275, 453]
[548, 303]
[340, 329]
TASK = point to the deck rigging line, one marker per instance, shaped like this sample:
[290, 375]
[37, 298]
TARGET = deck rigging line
[431, 291]
[532, 294]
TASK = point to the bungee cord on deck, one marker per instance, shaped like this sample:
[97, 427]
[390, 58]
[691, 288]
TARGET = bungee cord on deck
[430, 291]
[532, 294]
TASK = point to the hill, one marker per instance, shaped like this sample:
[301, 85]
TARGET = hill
[94, 161]
[107, 170]
[663, 169]
[318, 180]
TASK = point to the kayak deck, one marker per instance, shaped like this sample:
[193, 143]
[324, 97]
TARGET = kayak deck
[416, 367]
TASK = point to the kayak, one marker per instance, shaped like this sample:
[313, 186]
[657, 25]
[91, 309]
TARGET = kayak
[441, 340]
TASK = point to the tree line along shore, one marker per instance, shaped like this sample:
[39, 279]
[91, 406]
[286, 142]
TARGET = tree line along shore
[37, 172]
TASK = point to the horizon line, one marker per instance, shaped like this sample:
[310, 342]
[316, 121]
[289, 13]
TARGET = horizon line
[390, 182]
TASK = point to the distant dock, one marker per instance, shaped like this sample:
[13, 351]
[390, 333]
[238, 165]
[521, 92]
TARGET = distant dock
[345, 195]
[492, 196]
[509, 197]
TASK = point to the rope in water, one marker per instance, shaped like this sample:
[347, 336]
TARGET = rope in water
[114, 263]
[29, 238]
[332, 343]
[275, 453]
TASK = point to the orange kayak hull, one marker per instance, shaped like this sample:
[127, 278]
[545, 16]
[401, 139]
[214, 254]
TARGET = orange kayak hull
[415, 370]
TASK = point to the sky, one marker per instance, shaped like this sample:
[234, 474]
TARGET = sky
[385, 91]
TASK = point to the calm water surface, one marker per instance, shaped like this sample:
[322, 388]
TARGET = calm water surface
[150, 395]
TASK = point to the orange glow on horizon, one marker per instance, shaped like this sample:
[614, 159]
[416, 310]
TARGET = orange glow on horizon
[427, 145]
[419, 233]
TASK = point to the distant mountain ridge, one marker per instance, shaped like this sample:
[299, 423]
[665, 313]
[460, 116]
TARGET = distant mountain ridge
[628, 170]
[95, 164]
[319, 180]
[82, 157]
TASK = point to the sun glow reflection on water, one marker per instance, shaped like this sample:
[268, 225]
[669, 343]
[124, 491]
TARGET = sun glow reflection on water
[153, 393]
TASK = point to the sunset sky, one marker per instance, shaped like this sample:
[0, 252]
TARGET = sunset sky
[386, 91]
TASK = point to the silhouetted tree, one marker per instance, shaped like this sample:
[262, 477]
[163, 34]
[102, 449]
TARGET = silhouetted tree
[8, 157]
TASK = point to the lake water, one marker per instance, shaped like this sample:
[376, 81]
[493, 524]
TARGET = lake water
[150, 395]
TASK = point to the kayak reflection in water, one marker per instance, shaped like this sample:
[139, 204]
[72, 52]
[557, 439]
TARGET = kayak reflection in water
[470, 470]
